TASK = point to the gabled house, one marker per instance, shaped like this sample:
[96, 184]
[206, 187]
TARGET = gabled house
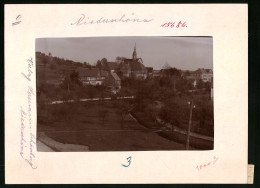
[92, 76]
[156, 73]
[149, 71]
[205, 75]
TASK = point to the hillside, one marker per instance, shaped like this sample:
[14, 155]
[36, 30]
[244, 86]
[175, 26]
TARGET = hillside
[52, 70]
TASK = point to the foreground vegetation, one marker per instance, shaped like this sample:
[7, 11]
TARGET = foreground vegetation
[102, 126]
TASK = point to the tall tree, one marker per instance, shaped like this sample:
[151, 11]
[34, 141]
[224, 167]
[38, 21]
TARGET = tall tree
[172, 74]
[98, 64]
[119, 59]
[71, 81]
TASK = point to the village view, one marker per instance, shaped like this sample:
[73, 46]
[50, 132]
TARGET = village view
[122, 105]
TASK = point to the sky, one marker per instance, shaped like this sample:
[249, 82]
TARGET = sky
[186, 53]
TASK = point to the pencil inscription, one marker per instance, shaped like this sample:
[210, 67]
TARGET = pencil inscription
[27, 137]
[29, 73]
[17, 20]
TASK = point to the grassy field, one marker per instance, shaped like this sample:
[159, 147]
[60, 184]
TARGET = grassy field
[84, 126]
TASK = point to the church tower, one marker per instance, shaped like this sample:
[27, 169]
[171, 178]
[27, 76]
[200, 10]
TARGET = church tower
[134, 53]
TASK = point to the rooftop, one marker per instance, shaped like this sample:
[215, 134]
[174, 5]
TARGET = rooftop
[91, 72]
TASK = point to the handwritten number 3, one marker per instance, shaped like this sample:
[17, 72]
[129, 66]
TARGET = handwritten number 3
[17, 20]
[129, 162]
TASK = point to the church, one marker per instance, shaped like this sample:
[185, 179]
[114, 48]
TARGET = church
[133, 67]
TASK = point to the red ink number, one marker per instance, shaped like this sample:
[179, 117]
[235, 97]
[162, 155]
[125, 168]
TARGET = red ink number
[200, 167]
[172, 24]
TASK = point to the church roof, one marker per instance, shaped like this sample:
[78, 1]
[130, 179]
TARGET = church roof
[133, 65]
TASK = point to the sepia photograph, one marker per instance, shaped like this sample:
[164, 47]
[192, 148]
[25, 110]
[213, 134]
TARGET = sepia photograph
[124, 94]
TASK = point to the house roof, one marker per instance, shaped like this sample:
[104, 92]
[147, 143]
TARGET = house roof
[93, 72]
[103, 73]
[203, 71]
[115, 76]
[112, 65]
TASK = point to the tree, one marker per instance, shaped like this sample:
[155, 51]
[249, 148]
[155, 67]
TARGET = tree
[119, 59]
[53, 66]
[174, 112]
[187, 73]
[45, 59]
[98, 64]
[71, 81]
[172, 74]
[200, 84]
[86, 65]
[208, 86]
[74, 77]
[103, 60]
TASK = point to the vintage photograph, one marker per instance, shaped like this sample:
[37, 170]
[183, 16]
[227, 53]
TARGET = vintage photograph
[124, 94]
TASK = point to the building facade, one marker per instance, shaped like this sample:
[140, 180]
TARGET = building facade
[205, 75]
[92, 76]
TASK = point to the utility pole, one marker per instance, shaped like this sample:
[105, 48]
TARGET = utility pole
[68, 80]
[189, 127]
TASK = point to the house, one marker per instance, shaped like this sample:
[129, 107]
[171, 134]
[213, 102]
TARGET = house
[109, 66]
[156, 73]
[92, 76]
[149, 71]
[133, 67]
[205, 75]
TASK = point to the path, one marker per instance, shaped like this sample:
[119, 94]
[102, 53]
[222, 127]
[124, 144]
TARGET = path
[94, 99]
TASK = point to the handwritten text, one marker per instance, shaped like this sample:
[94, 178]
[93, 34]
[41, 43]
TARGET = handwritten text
[174, 24]
[129, 162]
[17, 20]
[85, 20]
[29, 70]
[200, 167]
[28, 138]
